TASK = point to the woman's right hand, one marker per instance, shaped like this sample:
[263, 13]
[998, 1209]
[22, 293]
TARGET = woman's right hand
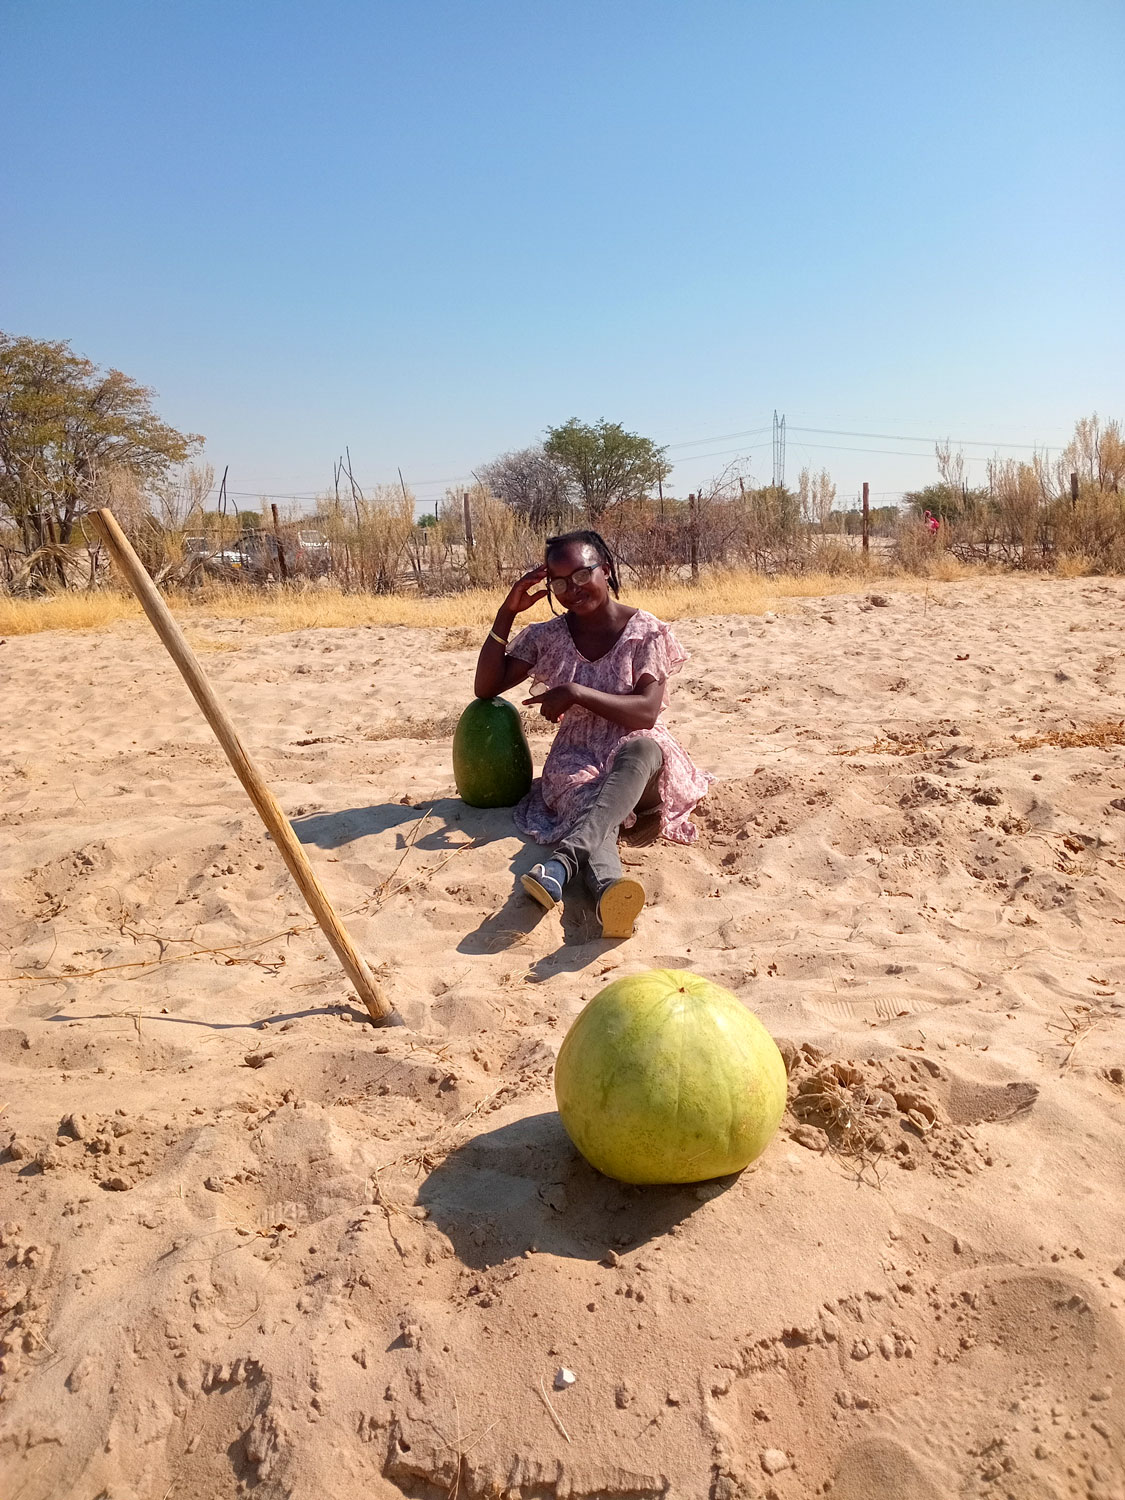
[523, 593]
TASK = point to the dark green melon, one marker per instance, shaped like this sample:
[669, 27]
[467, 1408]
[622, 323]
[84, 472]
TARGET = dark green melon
[491, 757]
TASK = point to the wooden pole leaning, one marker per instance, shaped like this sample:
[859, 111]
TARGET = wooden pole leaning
[268, 808]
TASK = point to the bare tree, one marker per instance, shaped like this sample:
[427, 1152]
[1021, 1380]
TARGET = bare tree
[530, 482]
[1095, 453]
[951, 466]
[817, 495]
[181, 496]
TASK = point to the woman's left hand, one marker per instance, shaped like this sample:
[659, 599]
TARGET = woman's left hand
[554, 702]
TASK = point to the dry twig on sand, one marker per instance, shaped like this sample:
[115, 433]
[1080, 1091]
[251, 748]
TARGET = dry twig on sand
[229, 951]
[906, 746]
[1086, 1018]
[554, 1414]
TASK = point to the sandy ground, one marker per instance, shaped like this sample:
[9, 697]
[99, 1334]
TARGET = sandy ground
[252, 1245]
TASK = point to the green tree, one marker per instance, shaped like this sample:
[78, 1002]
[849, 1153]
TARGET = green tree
[605, 463]
[950, 503]
[65, 426]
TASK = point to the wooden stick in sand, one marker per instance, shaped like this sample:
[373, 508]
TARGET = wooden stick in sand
[269, 810]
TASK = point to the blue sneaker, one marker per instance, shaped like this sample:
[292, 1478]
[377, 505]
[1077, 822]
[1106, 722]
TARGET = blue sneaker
[544, 883]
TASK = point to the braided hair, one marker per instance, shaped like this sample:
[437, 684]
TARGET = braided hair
[590, 539]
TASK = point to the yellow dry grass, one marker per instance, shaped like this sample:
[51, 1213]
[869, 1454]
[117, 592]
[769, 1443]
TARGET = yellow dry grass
[282, 609]
[1074, 565]
[436, 727]
[907, 746]
[442, 726]
[64, 612]
[1094, 736]
[201, 643]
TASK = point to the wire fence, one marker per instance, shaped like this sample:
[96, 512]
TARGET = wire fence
[1028, 516]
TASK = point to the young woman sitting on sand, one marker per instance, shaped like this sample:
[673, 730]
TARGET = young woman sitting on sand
[601, 671]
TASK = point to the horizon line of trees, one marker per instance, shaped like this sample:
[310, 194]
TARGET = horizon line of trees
[74, 437]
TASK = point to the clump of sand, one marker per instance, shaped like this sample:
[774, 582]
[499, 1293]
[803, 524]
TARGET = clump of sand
[251, 1244]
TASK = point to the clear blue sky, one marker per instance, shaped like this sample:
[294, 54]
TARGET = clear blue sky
[431, 228]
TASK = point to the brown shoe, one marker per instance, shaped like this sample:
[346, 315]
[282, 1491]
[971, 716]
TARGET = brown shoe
[619, 906]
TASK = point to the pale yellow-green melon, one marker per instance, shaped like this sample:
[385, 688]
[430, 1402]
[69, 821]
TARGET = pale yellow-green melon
[666, 1077]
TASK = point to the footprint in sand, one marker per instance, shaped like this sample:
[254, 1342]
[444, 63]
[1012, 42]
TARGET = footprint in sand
[1023, 1397]
[880, 1469]
[1013, 1378]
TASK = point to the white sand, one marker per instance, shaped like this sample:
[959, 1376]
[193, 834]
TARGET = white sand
[274, 1250]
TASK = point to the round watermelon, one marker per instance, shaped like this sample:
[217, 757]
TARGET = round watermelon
[491, 757]
[666, 1077]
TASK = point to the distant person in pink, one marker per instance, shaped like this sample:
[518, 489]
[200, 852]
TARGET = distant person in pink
[933, 525]
[600, 672]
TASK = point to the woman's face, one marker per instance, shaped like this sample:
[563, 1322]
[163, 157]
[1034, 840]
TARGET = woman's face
[580, 598]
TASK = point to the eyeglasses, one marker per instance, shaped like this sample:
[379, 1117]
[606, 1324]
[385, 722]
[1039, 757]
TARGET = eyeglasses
[559, 586]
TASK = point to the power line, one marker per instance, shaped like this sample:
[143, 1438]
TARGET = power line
[721, 453]
[896, 437]
[719, 437]
[969, 458]
[269, 494]
[460, 479]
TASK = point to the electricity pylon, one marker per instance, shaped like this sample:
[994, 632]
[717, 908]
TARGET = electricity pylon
[778, 451]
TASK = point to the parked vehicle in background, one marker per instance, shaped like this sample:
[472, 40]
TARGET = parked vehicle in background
[253, 554]
[314, 554]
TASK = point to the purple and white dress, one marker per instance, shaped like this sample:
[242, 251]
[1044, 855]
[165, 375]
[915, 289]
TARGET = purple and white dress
[586, 744]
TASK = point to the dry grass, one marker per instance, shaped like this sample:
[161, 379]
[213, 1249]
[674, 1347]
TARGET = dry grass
[1096, 736]
[1079, 1025]
[946, 568]
[437, 727]
[906, 746]
[461, 639]
[276, 609]
[465, 616]
[442, 726]
[534, 723]
[65, 612]
[201, 643]
[1074, 565]
[745, 593]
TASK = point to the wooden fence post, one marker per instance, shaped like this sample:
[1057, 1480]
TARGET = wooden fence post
[866, 517]
[693, 536]
[282, 568]
[468, 523]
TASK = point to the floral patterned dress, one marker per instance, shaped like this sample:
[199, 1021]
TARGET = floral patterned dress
[586, 745]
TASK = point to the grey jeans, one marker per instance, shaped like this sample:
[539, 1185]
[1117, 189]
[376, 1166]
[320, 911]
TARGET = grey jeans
[632, 785]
